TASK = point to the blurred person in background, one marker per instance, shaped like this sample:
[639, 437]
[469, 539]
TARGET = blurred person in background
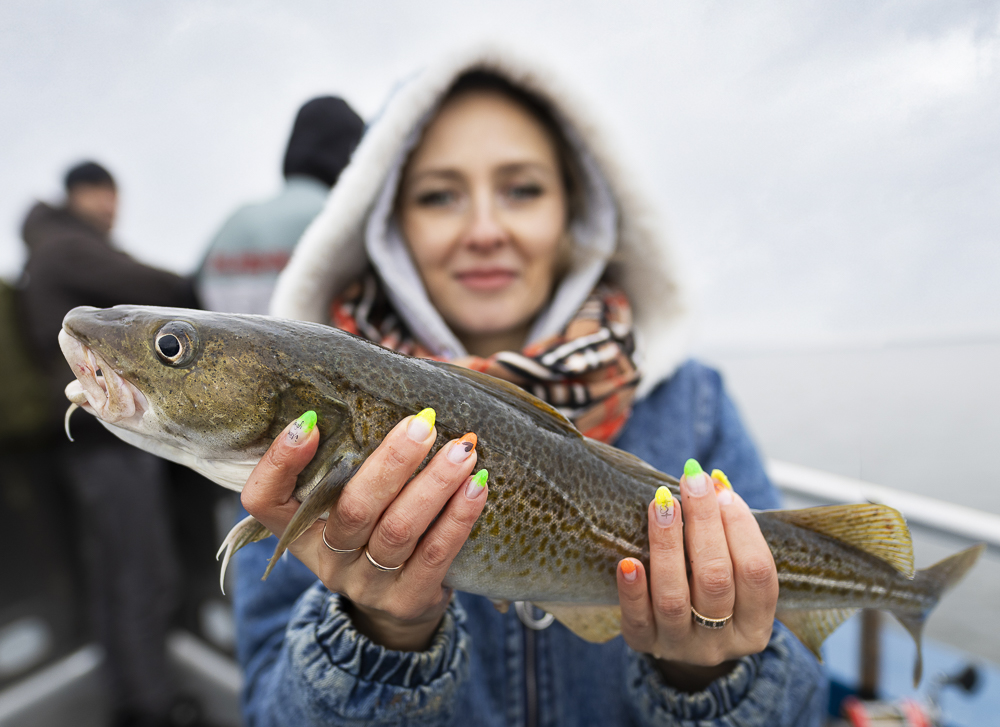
[485, 220]
[121, 492]
[242, 264]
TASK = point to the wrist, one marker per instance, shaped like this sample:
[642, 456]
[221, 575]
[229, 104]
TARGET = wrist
[690, 678]
[393, 633]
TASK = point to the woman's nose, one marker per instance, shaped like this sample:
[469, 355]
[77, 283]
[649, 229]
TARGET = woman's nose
[485, 232]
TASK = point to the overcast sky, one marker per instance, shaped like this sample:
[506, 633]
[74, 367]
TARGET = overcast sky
[827, 169]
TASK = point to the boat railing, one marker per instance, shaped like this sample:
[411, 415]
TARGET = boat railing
[927, 512]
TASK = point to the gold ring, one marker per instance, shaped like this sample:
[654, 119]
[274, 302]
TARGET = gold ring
[379, 565]
[338, 550]
[710, 623]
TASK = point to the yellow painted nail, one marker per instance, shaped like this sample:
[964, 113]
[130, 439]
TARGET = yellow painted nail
[421, 425]
[720, 477]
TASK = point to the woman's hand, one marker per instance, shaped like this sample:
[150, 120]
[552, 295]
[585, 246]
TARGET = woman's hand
[731, 572]
[383, 509]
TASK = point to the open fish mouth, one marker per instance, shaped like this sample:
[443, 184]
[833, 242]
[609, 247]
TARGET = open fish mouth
[99, 389]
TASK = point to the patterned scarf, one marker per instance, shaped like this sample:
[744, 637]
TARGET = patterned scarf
[588, 372]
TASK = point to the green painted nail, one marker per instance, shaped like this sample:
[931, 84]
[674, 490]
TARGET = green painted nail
[692, 468]
[302, 427]
[479, 479]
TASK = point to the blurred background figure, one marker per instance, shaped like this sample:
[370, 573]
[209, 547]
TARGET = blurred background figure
[242, 264]
[121, 493]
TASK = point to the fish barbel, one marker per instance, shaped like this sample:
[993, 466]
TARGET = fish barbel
[212, 391]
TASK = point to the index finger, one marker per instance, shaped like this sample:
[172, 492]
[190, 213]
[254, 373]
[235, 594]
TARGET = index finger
[267, 494]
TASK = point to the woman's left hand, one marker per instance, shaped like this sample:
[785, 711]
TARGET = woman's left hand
[731, 572]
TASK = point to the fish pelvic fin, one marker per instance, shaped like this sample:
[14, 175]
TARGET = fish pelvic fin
[878, 530]
[812, 626]
[935, 581]
[594, 623]
[246, 531]
[319, 500]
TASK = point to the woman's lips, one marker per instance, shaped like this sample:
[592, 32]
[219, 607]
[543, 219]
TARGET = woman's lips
[486, 280]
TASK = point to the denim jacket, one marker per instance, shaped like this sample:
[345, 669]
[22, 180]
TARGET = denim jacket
[305, 664]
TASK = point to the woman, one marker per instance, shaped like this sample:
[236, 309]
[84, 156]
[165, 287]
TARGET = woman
[482, 221]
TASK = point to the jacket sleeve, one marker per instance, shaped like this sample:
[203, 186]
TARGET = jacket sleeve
[783, 686]
[100, 273]
[305, 664]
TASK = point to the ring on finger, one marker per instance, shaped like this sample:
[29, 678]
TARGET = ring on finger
[710, 623]
[338, 550]
[378, 565]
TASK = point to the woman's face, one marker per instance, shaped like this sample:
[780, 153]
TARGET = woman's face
[483, 209]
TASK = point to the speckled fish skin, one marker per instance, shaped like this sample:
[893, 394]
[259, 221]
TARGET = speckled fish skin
[562, 509]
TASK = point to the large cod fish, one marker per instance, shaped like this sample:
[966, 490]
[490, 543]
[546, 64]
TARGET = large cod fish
[211, 391]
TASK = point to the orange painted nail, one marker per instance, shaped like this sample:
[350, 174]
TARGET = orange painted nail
[628, 569]
[462, 448]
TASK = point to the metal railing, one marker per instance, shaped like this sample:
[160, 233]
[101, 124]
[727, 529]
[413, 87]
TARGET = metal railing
[927, 512]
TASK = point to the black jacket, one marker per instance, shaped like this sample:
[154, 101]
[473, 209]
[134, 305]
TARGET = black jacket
[71, 263]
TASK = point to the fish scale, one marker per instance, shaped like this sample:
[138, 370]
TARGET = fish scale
[562, 510]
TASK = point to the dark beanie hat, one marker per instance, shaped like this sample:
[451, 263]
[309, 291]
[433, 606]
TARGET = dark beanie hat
[88, 173]
[324, 135]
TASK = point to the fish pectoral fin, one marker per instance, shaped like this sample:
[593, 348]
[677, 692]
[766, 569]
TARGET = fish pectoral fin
[320, 499]
[594, 623]
[811, 627]
[500, 604]
[246, 531]
[878, 530]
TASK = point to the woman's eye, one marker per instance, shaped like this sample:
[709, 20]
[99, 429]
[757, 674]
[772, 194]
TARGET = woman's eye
[524, 191]
[435, 198]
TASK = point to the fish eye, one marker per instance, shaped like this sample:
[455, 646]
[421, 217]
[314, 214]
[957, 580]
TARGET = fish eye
[175, 343]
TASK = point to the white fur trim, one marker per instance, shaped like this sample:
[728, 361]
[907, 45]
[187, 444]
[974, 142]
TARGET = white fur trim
[331, 253]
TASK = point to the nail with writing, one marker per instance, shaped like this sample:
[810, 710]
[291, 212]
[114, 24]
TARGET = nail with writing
[421, 425]
[477, 483]
[664, 506]
[723, 488]
[629, 570]
[302, 427]
[462, 448]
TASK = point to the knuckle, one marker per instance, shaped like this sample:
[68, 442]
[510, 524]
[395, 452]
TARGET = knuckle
[759, 573]
[353, 513]
[396, 458]
[437, 554]
[716, 580]
[395, 532]
[673, 607]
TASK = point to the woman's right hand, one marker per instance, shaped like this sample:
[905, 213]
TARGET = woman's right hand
[382, 508]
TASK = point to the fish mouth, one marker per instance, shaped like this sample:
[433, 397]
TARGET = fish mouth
[99, 389]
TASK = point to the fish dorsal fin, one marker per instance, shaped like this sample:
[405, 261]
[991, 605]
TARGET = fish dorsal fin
[632, 465]
[594, 623]
[811, 627]
[543, 414]
[878, 530]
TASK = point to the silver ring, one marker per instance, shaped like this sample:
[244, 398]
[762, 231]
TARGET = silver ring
[338, 550]
[379, 565]
[710, 623]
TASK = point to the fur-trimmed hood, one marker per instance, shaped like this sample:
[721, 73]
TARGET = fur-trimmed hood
[333, 252]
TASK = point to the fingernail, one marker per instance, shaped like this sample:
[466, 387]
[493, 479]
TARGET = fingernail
[476, 484]
[723, 489]
[421, 425]
[664, 506]
[629, 571]
[302, 427]
[696, 480]
[460, 450]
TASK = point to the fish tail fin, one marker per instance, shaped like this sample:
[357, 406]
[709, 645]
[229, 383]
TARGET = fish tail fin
[935, 581]
[246, 531]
